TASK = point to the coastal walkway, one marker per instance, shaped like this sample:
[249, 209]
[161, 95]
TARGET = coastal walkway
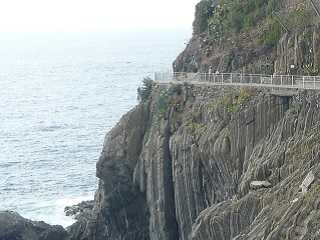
[279, 82]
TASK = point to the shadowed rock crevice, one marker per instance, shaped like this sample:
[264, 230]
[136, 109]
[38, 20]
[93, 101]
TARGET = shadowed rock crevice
[170, 208]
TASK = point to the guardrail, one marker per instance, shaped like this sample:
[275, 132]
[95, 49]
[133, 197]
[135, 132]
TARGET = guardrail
[238, 79]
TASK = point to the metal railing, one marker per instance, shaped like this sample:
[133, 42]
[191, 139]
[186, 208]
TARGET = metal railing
[238, 79]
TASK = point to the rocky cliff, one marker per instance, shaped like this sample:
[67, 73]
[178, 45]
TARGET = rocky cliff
[200, 163]
[269, 36]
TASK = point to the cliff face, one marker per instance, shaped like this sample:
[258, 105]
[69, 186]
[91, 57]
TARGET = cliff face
[266, 37]
[199, 163]
[210, 163]
[120, 210]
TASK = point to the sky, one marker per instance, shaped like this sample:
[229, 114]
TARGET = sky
[94, 15]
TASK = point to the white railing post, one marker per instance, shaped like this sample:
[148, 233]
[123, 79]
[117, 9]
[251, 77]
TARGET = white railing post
[281, 80]
[271, 79]
[292, 81]
[303, 82]
[231, 77]
[314, 82]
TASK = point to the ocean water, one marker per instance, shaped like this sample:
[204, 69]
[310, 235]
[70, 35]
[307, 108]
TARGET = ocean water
[59, 95]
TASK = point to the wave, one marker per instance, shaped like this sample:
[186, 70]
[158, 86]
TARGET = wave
[53, 212]
[53, 128]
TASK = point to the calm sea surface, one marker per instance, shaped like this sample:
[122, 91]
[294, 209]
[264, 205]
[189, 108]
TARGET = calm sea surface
[59, 95]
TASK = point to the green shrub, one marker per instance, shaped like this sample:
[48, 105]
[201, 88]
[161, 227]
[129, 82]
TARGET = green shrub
[203, 12]
[273, 34]
[163, 103]
[300, 17]
[145, 90]
[233, 102]
[272, 5]
[233, 16]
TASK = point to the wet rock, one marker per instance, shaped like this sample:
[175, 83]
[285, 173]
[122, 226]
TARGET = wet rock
[15, 227]
[79, 208]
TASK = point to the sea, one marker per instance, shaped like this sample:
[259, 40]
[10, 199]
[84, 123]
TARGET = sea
[60, 93]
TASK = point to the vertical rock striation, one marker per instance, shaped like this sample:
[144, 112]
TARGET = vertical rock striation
[186, 163]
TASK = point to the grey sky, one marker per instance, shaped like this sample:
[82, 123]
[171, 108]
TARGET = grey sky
[94, 15]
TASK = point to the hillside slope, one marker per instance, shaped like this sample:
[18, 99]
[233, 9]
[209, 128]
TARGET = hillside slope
[254, 37]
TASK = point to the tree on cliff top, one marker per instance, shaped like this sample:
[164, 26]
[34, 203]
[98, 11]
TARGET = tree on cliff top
[204, 10]
[145, 90]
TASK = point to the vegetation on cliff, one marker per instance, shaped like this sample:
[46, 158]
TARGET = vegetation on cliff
[254, 36]
[236, 16]
[229, 17]
[144, 92]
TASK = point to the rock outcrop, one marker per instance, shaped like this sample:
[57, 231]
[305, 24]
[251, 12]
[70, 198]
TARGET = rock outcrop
[181, 166]
[15, 227]
[120, 210]
[78, 209]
